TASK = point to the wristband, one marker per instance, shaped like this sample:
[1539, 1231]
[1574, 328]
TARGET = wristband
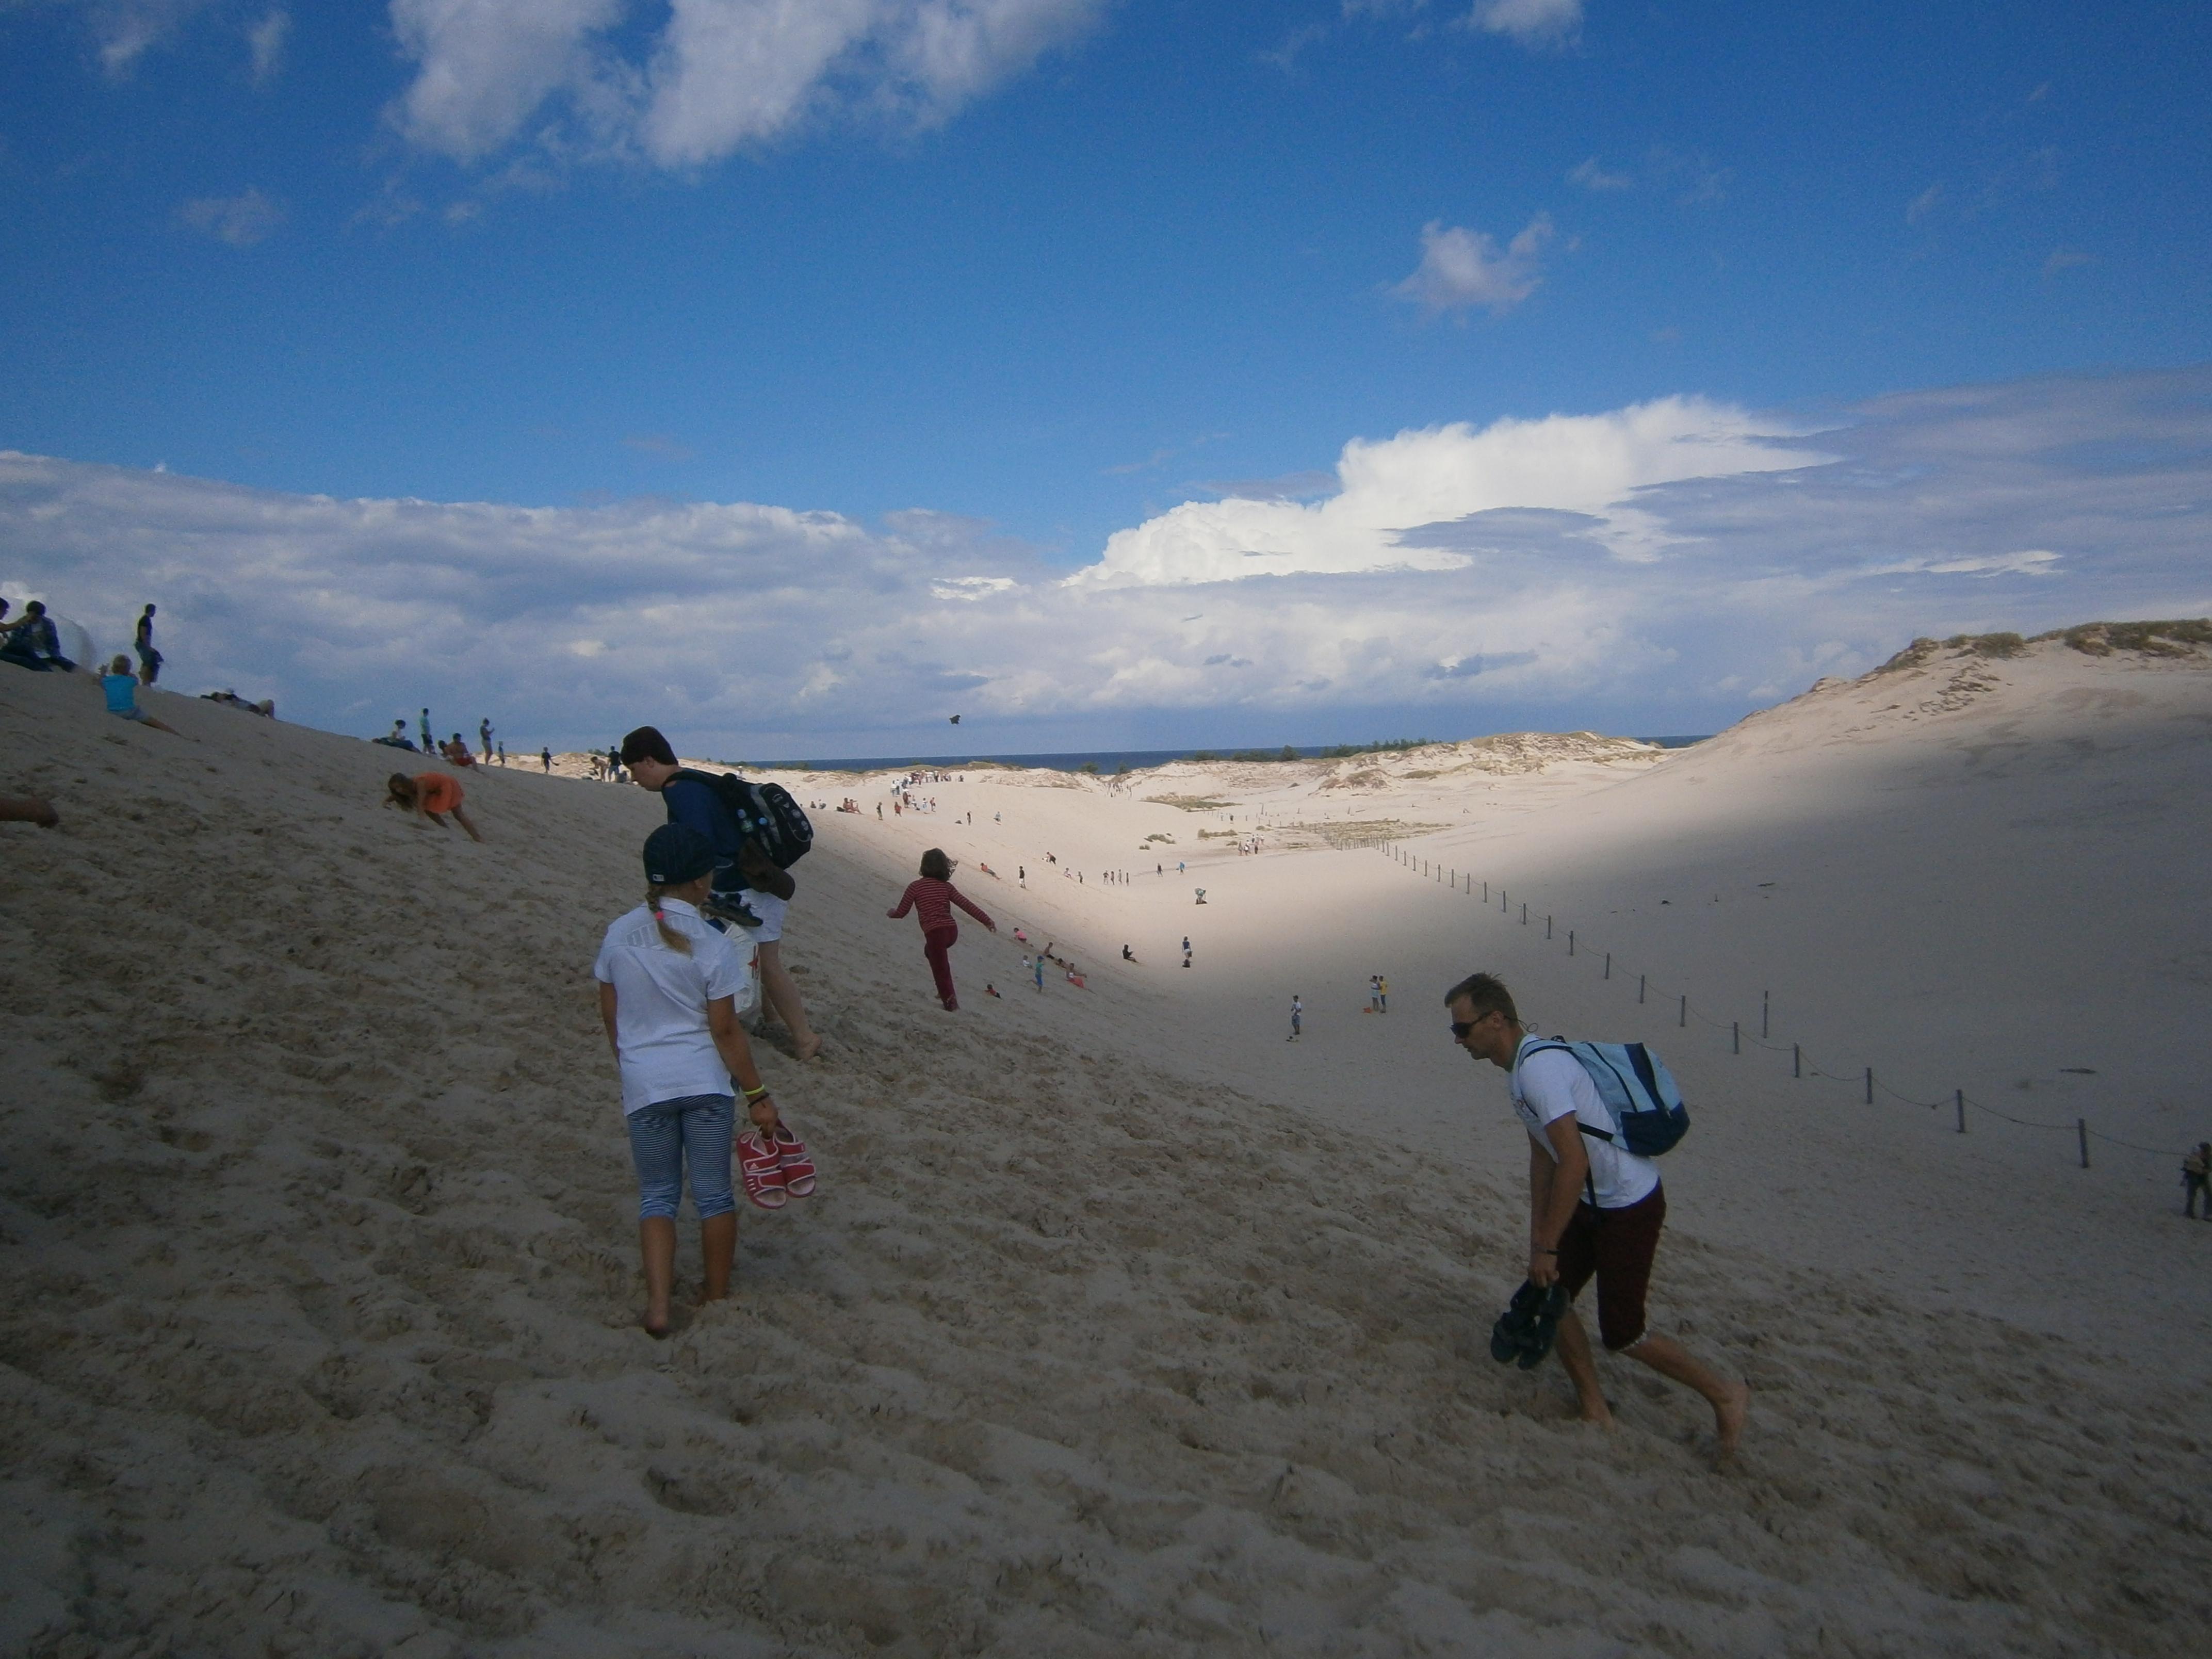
[755, 1094]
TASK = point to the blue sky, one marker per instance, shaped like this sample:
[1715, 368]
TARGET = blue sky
[1008, 292]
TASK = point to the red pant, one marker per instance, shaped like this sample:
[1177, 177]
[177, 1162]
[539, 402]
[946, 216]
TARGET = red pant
[934, 944]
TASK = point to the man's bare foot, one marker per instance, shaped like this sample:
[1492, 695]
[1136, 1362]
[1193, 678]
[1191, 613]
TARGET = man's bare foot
[1728, 1417]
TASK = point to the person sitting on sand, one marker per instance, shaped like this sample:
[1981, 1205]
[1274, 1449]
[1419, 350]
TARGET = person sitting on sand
[669, 988]
[430, 795]
[1128, 955]
[395, 737]
[121, 686]
[1595, 1209]
[457, 752]
[931, 896]
[34, 644]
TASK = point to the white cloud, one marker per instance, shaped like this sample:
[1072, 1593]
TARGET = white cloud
[1923, 206]
[1583, 464]
[266, 40]
[241, 220]
[126, 30]
[1531, 22]
[716, 77]
[1635, 568]
[1462, 268]
[1590, 176]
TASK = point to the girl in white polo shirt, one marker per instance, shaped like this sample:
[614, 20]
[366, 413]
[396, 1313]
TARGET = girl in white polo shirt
[670, 991]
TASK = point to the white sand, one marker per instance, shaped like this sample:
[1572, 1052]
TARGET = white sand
[1120, 1326]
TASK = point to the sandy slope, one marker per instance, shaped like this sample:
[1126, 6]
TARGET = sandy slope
[1120, 1326]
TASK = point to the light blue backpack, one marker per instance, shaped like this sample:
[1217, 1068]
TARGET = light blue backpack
[1648, 1113]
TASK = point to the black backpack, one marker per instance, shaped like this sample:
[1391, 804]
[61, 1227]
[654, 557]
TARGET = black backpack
[766, 815]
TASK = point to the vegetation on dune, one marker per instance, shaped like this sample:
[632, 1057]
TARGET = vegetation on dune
[2177, 638]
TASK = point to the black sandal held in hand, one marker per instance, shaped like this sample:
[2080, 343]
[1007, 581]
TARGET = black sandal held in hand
[1524, 1331]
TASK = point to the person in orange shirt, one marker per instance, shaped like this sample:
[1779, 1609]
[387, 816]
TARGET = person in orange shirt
[430, 795]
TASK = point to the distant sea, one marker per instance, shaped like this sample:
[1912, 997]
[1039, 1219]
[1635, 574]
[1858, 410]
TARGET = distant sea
[1108, 761]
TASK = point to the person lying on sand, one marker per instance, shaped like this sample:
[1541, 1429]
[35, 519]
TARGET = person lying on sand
[668, 996]
[430, 795]
[1595, 1210]
[29, 809]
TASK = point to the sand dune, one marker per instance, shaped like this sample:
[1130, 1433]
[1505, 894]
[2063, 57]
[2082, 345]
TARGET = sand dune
[1120, 1325]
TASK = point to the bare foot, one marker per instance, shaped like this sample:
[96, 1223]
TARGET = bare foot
[1728, 1422]
[656, 1331]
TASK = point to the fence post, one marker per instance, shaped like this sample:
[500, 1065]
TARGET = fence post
[1796, 1061]
[1870, 1099]
[1639, 987]
[1608, 964]
[1570, 941]
[1763, 996]
[1959, 1099]
[2081, 1128]
[1685, 1019]
[1735, 1036]
[1524, 916]
[1548, 927]
[1485, 892]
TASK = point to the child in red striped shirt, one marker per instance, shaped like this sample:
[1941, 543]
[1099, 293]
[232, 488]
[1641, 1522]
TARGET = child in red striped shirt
[931, 898]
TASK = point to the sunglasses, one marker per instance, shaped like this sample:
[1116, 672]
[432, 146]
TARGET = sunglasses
[1463, 1028]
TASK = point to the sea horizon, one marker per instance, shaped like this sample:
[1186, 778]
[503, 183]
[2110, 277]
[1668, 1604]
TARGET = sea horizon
[1106, 761]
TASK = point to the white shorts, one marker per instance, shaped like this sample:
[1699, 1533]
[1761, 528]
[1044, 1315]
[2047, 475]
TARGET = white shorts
[769, 909]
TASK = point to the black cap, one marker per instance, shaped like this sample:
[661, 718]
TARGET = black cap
[676, 854]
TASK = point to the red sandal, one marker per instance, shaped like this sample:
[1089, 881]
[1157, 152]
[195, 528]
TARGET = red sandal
[761, 1169]
[797, 1167]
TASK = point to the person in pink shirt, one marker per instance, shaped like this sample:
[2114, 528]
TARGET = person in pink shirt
[931, 897]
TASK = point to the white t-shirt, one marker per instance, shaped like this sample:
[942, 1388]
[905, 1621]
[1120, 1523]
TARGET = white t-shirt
[661, 1003]
[1549, 1085]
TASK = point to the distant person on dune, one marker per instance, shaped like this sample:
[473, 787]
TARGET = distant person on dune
[430, 795]
[932, 896]
[149, 659]
[430, 743]
[121, 687]
[545, 757]
[1297, 1018]
[669, 988]
[1595, 1208]
[2197, 1177]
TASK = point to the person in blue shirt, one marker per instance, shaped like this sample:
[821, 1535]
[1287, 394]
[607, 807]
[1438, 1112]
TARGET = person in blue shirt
[121, 686]
[745, 878]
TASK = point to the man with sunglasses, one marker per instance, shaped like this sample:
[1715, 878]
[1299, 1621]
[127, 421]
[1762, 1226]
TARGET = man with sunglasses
[1595, 1208]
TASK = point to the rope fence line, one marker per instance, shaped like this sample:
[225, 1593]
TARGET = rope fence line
[1801, 1066]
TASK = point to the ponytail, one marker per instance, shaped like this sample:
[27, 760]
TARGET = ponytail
[674, 940]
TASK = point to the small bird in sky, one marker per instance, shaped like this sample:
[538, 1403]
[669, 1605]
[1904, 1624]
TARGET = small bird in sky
[955, 720]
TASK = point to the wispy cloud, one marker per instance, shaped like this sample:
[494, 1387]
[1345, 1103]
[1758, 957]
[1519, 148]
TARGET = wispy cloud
[1559, 570]
[1592, 176]
[2066, 259]
[266, 41]
[241, 220]
[1535, 23]
[1923, 206]
[659, 446]
[1462, 268]
[715, 77]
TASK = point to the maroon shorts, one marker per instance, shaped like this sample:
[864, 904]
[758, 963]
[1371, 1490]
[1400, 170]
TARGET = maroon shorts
[1616, 1246]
